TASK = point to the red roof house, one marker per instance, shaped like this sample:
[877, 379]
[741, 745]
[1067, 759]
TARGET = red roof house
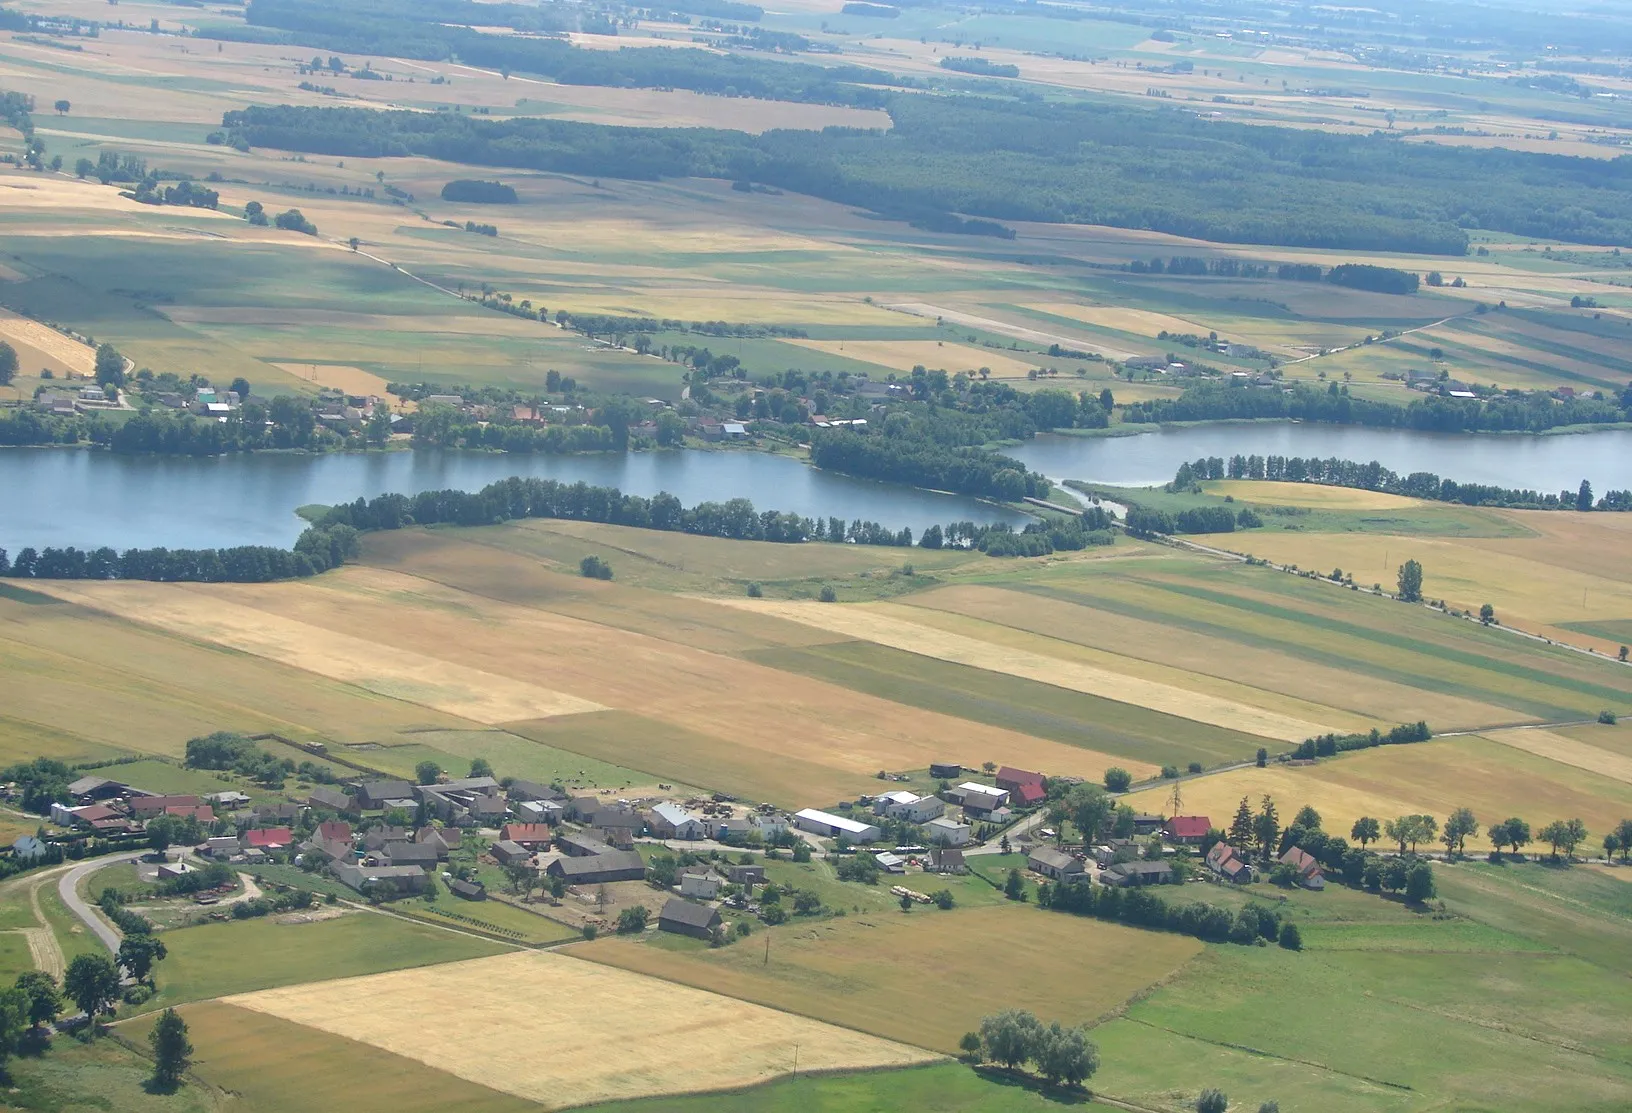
[530, 835]
[1030, 792]
[334, 830]
[268, 838]
[201, 812]
[1188, 828]
[142, 806]
[1009, 778]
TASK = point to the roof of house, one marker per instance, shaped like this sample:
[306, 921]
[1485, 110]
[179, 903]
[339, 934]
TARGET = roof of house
[534, 790]
[160, 803]
[1128, 869]
[322, 797]
[511, 849]
[688, 913]
[1053, 859]
[449, 837]
[1220, 853]
[485, 785]
[617, 817]
[899, 796]
[1019, 776]
[376, 837]
[269, 836]
[946, 856]
[1189, 826]
[1028, 792]
[1300, 859]
[980, 789]
[577, 841]
[90, 813]
[201, 812]
[399, 852]
[386, 790]
[944, 824]
[526, 832]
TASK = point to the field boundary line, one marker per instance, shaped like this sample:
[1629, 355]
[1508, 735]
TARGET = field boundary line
[1261, 1053]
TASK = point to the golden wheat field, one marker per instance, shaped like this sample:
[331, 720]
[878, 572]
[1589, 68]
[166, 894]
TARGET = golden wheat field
[557, 1053]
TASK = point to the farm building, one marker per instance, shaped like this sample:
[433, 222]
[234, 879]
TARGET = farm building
[1148, 824]
[671, 821]
[963, 792]
[225, 846]
[945, 770]
[1310, 875]
[1056, 864]
[745, 875]
[469, 890]
[444, 839]
[944, 860]
[700, 884]
[376, 837]
[169, 871]
[410, 878]
[577, 845]
[685, 918]
[378, 795]
[331, 798]
[1009, 778]
[532, 790]
[541, 811]
[836, 826]
[228, 799]
[91, 788]
[1138, 873]
[1188, 830]
[890, 863]
[143, 807]
[948, 832]
[283, 812]
[27, 848]
[421, 854]
[982, 805]
[596, 869]
[509, 853]
[87, 816]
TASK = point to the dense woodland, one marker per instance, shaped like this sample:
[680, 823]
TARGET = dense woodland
[1161, 169]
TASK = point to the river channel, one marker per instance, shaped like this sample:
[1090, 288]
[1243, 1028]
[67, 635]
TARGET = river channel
[86, 498]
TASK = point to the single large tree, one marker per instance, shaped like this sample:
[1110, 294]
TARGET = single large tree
[1410, 582]
[138, 951]
[1460, 826]
[1365, 830]
[1623, 835]
[110, 366]
[44, 1002]
[92, 983]
[8, 363]
[1212, 1101]
[1513, 832]
[1266, 827]
[1241, 826]
[62, 107]
[1090, 809]
[1583, 497]
[172, 1051]
[1066, 1056]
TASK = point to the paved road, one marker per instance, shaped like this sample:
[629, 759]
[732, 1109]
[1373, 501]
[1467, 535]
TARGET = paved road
[68, 889]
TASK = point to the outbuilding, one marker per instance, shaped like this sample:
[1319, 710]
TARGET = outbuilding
[836, 826]
[685, 918]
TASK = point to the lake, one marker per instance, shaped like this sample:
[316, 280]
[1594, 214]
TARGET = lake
[83, 498]
[1543, 464]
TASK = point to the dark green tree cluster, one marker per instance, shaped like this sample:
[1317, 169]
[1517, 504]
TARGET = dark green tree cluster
[1013, 1038]
[479, 192]
[228, 751]
[1327, 745]
[923, 463]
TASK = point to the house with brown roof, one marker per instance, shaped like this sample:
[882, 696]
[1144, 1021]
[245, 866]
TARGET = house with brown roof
[1224, 860]
[268, 838]
[1009, 778]
[944, 859]
[685, 918]
[1305, 865]
[145, 807]
[1188, 830]
[531, 835]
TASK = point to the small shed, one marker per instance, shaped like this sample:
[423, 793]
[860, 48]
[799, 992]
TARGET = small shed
[509, 853]
[686, 918]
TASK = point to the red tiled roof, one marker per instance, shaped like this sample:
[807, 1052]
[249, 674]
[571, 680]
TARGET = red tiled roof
[201, 812]
[1029, 792]
[1019, 776]
[93, 812]
[1301, 860]
[269, 836]
[334, 830]
[526, 832]
[1189, 826]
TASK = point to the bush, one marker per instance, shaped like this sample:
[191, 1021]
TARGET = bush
[1118, 779]
[1212, 1101]
[773, 914]
[1291, 938]
[1169, 772]
[828, 595]
[1607, 718]
[594, 568]
[138, 995]
[632, 921]
[755, 591]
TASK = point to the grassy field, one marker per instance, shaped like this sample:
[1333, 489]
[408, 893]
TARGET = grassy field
[208, 961]
[690, 1040]
[859, 971]
[73, 1076]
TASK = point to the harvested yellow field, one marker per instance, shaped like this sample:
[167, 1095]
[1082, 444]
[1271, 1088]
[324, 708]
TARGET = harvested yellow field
[904, 355]
[1570, 751]
[351, 380]
[1316, 496]
[1534, 583]
[575, 1044]
[1434, 778]
[880, 625]
[39, 346]
[1142, 322]
[375, 666]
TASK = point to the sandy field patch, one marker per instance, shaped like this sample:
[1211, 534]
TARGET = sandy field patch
[669, 1039]
[1141, 322]
[1557, 747]
[1003, 328]
[1314, 495]
[375, 666]
[904, 355]
[40, 346]
[1433, 778]
[876, 625]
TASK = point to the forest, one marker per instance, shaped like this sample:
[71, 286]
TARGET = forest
[1160, 169]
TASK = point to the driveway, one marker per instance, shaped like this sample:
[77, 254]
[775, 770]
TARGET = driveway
[68, 889]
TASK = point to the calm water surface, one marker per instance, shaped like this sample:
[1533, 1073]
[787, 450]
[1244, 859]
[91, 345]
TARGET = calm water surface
[76, 497]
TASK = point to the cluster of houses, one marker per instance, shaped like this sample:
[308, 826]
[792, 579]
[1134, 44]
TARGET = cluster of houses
[110, 808]
[1015, 791]
[67, 403]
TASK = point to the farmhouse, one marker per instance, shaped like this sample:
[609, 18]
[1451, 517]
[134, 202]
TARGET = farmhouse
[144, 807]
[509, 853]
[1148, 824]
[701, 884]
[614, 865]
[421, 854]
[529, 835]
[745, 875]
[532, 790]
[268, 839]
[947, 832]
[443, 839]
[890, 863]
[275, 813]
[968, 790]
[378, 795]
[1188, 830]
[836, 826]
[27, 848]
[376, 837]
[228, 799]
[1223, 860]
[1308, 870]
[909, 806]
[985, 806]
[1057, 864]
[1009, 779]
[671, 821]
[1138, 873]
[359, 877]
[541, 811]
[685, 918]
[225, 846]
[943, 860]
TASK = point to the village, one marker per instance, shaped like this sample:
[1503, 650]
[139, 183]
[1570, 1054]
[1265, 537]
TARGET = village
[603, 862]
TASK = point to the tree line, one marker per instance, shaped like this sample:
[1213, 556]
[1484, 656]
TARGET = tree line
[1373, 476]
[1527, 413]
[923, 463]
[998, 159]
